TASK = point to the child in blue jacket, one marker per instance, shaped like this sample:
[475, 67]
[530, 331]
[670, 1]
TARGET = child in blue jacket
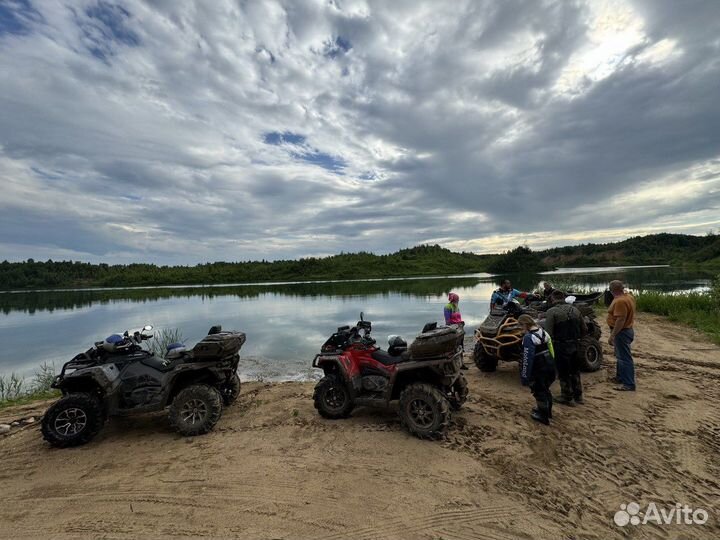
[537, 369]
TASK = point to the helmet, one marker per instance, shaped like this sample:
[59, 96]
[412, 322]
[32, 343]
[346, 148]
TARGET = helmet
[396, 342]
[175, 350]
[113, 342]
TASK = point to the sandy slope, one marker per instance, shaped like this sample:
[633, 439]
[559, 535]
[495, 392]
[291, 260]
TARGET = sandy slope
[274, 469]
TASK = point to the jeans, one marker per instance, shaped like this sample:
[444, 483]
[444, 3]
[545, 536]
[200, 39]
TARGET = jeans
[625, 364]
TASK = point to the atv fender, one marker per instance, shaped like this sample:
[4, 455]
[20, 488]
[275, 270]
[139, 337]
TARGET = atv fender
[341, 365]
[101, 380]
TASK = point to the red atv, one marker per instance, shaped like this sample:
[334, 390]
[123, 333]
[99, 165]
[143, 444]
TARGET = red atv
[425, 377]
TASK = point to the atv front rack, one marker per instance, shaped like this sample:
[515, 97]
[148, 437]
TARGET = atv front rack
[509, 333]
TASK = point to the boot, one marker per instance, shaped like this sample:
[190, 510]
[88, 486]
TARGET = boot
[577, 389]
[564, 400]
[539, 417]
[539, 412]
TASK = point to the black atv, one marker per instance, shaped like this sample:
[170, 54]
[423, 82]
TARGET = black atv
[118, 377]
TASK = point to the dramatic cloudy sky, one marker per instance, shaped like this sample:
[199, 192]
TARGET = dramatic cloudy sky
[179, 132]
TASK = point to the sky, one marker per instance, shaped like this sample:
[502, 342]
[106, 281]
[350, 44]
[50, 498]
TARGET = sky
[184, 132]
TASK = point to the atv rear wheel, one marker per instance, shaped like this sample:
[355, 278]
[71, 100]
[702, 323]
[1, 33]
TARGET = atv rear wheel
[590, 353]
[73, 420]
[230, 390]
[483, 360]
[195, 410]
[424, 411]
[459, 393]
[332, 398]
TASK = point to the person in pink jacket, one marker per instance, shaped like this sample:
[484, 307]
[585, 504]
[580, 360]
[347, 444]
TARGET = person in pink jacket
[452, 313]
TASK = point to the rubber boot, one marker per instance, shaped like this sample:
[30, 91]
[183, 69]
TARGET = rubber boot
[577, 388]
[566, 394]
[562, 400]
[536, 410]
[540, 417]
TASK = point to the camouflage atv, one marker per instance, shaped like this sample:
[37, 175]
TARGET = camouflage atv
[499, 337]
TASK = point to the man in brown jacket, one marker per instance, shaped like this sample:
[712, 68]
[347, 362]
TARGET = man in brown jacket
[620, 319]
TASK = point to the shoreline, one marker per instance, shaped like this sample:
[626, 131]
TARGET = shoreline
[273, 468]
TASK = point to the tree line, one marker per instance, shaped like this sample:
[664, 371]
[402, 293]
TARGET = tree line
[424, 260]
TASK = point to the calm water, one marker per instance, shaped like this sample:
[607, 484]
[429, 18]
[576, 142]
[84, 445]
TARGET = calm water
[285, 323]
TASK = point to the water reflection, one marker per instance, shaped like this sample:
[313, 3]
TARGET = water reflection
[285, 323]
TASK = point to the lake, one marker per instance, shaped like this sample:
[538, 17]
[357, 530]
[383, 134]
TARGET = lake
[285, 323]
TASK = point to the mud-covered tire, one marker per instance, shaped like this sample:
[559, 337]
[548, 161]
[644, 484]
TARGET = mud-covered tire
[459, 393]
[73, 420]
[483, 360]
[195, 410]
[230, 390]
[332, 398]
[590, 354]
[424, 411]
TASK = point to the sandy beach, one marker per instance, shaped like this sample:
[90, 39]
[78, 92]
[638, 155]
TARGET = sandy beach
[273, 468]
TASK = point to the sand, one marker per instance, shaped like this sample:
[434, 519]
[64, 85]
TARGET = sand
[274, 469]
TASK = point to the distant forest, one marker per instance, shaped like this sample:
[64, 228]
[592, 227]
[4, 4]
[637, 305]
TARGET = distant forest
[674, 249]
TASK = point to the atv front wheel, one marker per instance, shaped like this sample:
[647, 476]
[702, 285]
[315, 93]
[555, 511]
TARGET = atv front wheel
[196, 409]
[73, 420]
[332, 399]
[590, 353]
[230, 390]
[459, 393]
[483, 360]
[424, 411]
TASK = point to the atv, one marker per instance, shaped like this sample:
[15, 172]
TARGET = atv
[425, 377]
[499, 337]
[118, 377]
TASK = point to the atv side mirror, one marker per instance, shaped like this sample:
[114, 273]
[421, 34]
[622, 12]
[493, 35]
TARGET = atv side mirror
[361, 316]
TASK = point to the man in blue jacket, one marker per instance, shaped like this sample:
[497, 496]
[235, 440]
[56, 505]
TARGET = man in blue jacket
[505, 294]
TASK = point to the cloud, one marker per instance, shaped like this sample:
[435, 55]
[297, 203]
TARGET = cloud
[159, 131]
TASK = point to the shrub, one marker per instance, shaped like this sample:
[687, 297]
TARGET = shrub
[159, 343]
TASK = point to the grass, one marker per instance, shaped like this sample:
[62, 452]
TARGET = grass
[698, 310]
[14, 390]
[162, 338]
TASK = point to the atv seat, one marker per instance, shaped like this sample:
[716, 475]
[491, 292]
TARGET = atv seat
[160, 364]
[388, 359]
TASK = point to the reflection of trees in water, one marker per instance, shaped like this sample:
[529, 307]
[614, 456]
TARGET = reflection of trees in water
[657, 279]
[32, 302]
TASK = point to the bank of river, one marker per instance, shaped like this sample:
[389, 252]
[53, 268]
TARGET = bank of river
[285, 322]
[273, 468]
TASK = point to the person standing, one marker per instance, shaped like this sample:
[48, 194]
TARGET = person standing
[620, 319]
[537, 369]
[451, 310]
[452, 315]
[566, 326]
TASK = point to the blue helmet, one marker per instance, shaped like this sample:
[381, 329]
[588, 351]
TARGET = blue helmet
[112, 342]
